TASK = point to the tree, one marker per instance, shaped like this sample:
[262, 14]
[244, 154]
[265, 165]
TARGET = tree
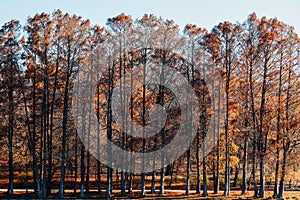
[289, 142]
[10, 55]
[74, 44]
[250, 52]
[226, 48]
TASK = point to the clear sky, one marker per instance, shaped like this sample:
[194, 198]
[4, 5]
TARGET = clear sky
[203, 13]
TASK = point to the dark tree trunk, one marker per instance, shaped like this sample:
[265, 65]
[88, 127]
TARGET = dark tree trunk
[275, 193]
[236, 175]
[76, 164]
[82, 171]
[227, 155]
[255, 188]
[217, 182]
[50, 145]
[188, 167]
[11, 135]
[198, 186]
[283, 173]
[65, 123]
[285, 142]
[45, 129]
[262, 136]
[245, 160]
[161, 101]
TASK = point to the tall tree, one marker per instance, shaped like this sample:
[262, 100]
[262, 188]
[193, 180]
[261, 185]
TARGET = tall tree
[250, 41]
[10, 57]
[228, 52]
[74, 50]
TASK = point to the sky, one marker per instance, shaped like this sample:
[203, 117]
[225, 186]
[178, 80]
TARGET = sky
[205, 14]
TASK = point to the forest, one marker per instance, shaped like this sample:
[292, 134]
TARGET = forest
[241, 134]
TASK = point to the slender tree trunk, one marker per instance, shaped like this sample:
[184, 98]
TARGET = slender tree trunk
[130, 184]
[262, 137]
[204, 131]
[31, 142]
[204, 174]
[161, 100]
[82, 170]
[217, 183]
[34, 158]
[154, 170]
[227, 155]
[65, 122]
[245, 160]
[255, 188]
[124, 121]
[236, 174]
[82, 151]
[76, 164]
[50, 143]
[98, 141]
[198, 186]
[285, 143]
[11, 135]
[275, 193]
[45, 129]
[283, 173]
[90, 110]
[109, 133]
[144, 121]
[188, 167]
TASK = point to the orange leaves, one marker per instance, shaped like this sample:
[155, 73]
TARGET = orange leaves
[225, 27]
[237, 28]
[192, 29]
[253, 16]
[120, 19]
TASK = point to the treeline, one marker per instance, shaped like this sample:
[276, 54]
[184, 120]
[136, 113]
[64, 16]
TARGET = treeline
[256, 136]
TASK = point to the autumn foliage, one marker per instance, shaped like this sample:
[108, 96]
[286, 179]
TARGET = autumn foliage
[255, 139]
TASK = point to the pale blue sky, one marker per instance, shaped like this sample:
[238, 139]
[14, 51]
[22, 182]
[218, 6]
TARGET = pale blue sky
[203, 13]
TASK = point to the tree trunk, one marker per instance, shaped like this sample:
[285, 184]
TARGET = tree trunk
[283, 173]
[245, 160]
[217, 183]
[144, 121]
[255, 188]
[204, 174]
[31, 142]
[109, 134]
[76, 164]
[285, 143]
[161, 100]
[11, 135]
[45, 130]
[50, 144]
[227, 155]
[154, 170]
[236, 175]
[262, 136]
[275, 193]
[188, 167]
[64, 137]
[82, 171]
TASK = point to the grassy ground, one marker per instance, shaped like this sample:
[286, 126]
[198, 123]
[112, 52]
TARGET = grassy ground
[168, 195]
[175, 191]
